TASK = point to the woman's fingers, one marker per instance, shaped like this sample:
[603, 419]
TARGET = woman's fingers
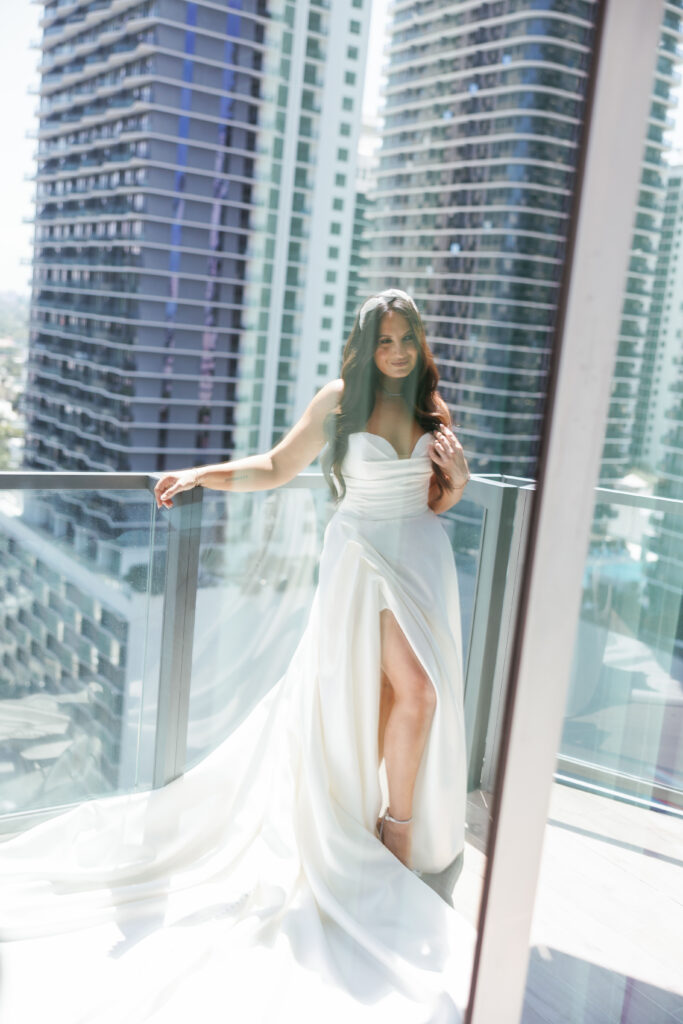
[165, 489]
[162, 484]
[444, 444]
[439, 451]
[449, 439]
[160, 487]
[446, 448]
[166, 499]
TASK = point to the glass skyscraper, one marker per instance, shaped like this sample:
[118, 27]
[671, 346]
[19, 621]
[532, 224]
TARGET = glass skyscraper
[482, 121]
[195, 191]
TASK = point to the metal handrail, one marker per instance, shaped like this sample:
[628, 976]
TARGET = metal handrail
[505, 503]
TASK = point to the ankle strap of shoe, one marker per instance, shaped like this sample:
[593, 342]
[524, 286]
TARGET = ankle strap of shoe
[398, 821]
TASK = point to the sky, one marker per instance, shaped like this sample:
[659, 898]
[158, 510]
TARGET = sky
[18, 115]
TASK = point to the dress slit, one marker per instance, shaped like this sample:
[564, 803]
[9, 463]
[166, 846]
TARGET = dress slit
[392, 605]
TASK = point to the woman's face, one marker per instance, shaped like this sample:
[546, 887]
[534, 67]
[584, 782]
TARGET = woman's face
[396, 348]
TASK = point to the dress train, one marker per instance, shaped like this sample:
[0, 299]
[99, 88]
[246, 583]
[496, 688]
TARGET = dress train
[253, 887]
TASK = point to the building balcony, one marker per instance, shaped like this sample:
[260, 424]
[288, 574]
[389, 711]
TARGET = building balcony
[112, 610]
[107, 569]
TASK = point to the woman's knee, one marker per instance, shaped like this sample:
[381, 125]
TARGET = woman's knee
[417, 693]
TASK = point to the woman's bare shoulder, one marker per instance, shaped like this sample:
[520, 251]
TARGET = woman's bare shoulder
[330, 394]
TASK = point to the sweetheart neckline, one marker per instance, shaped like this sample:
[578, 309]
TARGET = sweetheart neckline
[399, 458]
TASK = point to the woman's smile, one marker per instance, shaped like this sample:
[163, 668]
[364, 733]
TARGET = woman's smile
[396, 349]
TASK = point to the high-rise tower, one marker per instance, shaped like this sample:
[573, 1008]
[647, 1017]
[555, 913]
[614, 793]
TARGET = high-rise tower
[482, 122]
[195, 191]
[484, 107]
[662, 341]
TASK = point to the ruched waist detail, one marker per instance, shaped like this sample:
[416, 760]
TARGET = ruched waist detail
[379, 497]
[374, 511]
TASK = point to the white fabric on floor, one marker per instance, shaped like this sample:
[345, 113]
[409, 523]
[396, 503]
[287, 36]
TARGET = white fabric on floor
[254, 888]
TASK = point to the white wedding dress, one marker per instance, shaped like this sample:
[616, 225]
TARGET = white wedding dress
[254, 888]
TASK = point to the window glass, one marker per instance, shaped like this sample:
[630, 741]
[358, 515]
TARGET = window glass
[617, 797]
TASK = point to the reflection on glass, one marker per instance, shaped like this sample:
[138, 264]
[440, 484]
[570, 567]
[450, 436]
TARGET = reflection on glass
[481, 126]
[622, 719]
[77, 609]
[257, 572]
[606, 927]
[607, 917]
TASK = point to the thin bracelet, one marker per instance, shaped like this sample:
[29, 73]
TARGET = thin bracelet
[397, 821]
[195, 481]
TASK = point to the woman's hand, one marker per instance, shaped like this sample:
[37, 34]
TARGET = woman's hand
[172, 484]
[447, 452]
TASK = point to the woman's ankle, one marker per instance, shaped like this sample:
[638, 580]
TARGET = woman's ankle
[398, 819]
[397, 837]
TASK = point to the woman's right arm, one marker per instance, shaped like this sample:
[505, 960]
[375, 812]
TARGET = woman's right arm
[278, 466]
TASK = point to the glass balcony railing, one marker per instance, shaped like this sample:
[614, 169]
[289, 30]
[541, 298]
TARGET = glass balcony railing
[75, 629]
[624, 710]
[132, 641]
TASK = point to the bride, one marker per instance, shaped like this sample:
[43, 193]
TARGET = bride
[280, 878]
[386, 394]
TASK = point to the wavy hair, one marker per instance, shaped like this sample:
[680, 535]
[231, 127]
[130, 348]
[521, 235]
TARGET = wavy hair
[361, 379]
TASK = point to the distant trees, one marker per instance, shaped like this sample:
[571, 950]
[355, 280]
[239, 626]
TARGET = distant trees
[8, 432]
[14, 315]
[14, 311]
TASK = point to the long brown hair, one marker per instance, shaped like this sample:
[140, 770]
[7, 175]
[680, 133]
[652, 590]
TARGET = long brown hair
[361, 379]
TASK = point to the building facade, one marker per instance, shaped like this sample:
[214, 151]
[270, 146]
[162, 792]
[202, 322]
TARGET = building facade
[482, 122]
[658, 435]
[195, 189]
[358, 284]
[663, 342]
[483, 114]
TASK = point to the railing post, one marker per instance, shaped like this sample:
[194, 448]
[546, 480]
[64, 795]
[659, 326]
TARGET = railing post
[177, 637]
[489, 729]
[487, 620]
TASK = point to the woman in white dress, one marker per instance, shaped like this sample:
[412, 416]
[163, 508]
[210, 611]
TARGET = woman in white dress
[385, 399]
[255, 886]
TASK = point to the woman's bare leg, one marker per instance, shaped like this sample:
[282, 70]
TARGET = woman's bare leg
[386, 700]
[406, 730]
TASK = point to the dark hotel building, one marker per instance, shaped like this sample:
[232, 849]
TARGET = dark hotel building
[195, 190]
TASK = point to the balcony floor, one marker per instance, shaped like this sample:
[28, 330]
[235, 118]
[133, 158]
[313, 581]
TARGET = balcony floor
[608, 920]
[605, 936]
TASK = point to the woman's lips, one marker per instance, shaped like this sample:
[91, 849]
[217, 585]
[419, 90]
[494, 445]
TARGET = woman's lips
[399, 366]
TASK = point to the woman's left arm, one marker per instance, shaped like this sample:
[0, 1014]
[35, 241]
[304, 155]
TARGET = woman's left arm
[447, 452]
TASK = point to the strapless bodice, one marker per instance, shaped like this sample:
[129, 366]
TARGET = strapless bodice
[379, 484]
